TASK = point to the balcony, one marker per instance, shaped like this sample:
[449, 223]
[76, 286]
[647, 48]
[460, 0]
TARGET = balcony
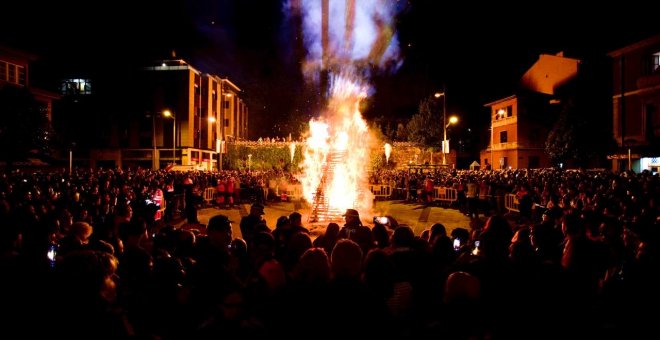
[650, 80]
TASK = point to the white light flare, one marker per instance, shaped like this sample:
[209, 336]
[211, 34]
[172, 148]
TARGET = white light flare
[388, 152]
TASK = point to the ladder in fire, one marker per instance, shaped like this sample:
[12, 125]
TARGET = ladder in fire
[321, 210]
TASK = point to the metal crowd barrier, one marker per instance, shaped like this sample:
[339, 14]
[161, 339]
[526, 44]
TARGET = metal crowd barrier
[209, 195]
[511, 203]
[294, 192]
[381, 191]
[445, 194]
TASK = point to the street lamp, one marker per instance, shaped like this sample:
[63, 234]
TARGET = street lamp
[168, 113]
[153, 126]
[445, 125]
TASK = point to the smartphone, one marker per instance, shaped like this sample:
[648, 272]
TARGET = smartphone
[457, 244]
[475, 251]
[381, 220]
[52, 254]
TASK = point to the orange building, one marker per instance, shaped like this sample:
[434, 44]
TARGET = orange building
[636, 105]
[520, 123]
[14, 71]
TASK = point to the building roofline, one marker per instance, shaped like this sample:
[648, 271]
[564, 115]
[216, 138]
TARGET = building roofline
[635, 46]
[19, 53]
[500, 100]
[167, 61]
[225, 80]
[232, 84]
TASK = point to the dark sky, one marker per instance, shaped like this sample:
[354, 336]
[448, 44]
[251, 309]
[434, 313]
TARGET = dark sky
[479, 51]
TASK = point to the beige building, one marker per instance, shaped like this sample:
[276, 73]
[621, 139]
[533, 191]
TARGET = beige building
[636, 105]
[520, 123]
[185, 119]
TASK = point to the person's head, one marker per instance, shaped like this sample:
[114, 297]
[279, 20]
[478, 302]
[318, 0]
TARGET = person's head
[313, 267]
[219, 230]
[352, 217]
[257, 209]
[346, 259]
[282, 222]
[81, 231]
[295, 218]
[437, 230]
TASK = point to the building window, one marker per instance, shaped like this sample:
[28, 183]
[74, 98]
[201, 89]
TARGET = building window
[655, 62]
[509, 111]
[11, 73]
[226, 122]
[503, 137]
[21, 75]
[76, 87]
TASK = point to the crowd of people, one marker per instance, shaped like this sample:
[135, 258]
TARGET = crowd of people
[83, 255]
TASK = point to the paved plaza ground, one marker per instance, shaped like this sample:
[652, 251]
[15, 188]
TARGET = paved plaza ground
[417, 216]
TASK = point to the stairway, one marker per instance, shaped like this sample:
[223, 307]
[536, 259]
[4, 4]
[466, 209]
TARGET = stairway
[321, 210]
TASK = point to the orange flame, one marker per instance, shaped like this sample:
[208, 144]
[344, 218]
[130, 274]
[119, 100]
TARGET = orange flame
[336, 157]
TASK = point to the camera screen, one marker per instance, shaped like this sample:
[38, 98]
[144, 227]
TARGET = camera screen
[52, 254]
[475, 251]
[457, 244]
[381, 219]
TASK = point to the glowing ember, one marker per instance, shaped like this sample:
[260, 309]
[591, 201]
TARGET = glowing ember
[388, 151]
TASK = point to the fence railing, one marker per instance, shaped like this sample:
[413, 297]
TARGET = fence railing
[511, 203]
[381, 191]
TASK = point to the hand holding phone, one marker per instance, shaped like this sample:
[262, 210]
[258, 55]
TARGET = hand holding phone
[475, 251]
[52, 254]
[457, 244]
[381, 220]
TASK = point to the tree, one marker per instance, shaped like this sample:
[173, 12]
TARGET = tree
[573, 138]
[401, 133]
[423, 128]
[24, 127]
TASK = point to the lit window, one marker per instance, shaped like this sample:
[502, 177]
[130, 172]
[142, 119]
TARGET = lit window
[655, 62]
[76, 87]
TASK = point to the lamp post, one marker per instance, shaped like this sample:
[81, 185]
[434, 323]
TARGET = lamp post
[445, 125]
[211, 122]
[168, 113]
[153, 141]
[444, 122]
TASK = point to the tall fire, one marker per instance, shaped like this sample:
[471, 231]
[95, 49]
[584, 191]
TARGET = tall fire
[337, 154]
[345, 41]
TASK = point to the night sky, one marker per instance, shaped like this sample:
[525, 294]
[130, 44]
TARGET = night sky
[479, 51]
